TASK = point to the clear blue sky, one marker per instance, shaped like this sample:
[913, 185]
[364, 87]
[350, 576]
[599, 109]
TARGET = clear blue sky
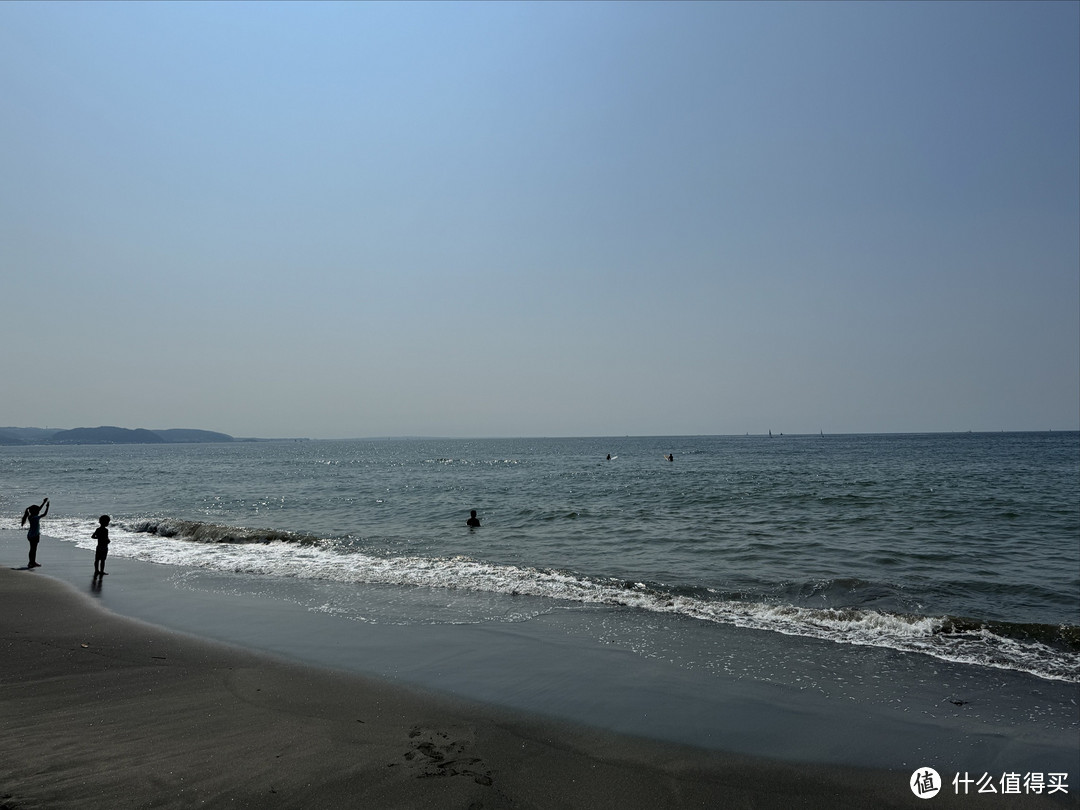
[517, 219]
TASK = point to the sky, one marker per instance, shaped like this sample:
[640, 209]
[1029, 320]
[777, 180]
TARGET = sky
[337, 220]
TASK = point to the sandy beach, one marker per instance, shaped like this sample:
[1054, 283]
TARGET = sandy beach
[103, 711]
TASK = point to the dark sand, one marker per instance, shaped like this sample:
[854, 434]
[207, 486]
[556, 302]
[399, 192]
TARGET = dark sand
[102, 711]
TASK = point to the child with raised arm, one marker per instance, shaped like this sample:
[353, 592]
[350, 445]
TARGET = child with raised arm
[34, 513]
[101, 534]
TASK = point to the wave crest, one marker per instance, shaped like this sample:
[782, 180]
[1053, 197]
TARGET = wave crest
[1047, 651]
[200, 532]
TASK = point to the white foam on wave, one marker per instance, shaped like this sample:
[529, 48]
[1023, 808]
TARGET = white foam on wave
[906, 633]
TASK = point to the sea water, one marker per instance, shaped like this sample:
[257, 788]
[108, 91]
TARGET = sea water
[961, 547]
[883, 601]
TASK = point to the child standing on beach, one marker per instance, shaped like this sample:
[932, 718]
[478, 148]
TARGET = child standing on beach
[101, 534]
[34, 513]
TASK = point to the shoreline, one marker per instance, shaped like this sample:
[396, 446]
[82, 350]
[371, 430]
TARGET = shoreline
[105, 711]
[176, 718]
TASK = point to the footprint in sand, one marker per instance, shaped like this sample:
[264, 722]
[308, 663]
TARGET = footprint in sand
[435, 753]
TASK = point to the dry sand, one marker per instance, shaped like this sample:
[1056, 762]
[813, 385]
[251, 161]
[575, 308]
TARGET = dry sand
[97, 710]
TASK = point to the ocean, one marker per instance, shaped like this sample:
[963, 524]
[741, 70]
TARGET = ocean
[959, 551]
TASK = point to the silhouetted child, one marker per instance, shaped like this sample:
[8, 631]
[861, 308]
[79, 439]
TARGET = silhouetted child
[101, 534]
[34, 513]
[473, 519]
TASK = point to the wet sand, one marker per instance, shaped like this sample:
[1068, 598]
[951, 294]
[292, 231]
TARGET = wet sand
[104, 711]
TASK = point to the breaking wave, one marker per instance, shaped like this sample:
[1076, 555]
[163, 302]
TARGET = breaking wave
[1046, 651]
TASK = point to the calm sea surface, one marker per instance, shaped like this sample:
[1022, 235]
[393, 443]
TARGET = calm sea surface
[964, 547]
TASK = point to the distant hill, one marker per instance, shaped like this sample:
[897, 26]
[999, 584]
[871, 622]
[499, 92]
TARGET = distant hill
[17, 435]
[187, 436]
[11, 436]
[105, 435]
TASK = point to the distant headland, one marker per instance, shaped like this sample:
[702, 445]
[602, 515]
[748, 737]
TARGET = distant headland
[110, 435]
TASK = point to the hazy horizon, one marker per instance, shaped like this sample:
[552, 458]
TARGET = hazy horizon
[436, 437]
[342, 220]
